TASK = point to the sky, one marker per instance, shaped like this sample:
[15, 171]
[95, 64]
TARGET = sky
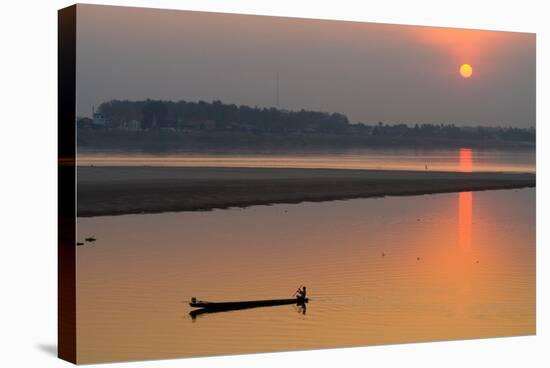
[370, 72]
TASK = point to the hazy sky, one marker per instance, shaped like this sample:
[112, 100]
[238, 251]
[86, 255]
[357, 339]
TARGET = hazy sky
[370, 72]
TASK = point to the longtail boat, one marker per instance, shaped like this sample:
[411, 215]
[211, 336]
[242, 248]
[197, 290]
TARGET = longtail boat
[213, 307]
[246, 304]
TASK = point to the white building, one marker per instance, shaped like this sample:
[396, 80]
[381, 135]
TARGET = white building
[132, 125]
[99, 119]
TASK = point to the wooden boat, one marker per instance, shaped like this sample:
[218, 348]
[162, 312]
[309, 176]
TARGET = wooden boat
[218, 306]
[299, 299]
[215, 307]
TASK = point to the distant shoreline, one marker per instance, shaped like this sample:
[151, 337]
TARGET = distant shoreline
[158, 141]
[110, 190]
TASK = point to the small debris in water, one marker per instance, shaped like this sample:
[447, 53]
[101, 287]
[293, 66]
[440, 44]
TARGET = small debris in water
[79, 243]
[90, 239]
[383, 254]
[418, 258]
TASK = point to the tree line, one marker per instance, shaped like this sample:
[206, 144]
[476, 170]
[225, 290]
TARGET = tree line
[158, 114]
[170, 114]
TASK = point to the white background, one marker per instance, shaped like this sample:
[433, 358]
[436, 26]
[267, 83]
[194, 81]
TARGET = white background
[28, 268]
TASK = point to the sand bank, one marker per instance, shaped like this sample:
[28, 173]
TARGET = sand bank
[126, 190]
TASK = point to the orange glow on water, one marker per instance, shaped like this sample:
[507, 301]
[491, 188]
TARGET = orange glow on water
[465, 221]
[465, 160]
[465, 203]
[403, 159]
[454, 274]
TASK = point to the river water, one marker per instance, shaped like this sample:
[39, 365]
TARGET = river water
[379, 158]
[378, 271]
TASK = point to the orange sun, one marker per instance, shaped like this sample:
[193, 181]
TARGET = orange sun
[466, 70]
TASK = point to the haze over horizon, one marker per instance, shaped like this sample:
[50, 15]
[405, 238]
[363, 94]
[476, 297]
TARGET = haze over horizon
[367, 71]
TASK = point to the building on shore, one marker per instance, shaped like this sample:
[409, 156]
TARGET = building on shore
[99, 120]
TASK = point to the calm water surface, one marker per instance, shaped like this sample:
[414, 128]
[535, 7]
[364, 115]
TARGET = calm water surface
[387, 159]
[379, 271]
